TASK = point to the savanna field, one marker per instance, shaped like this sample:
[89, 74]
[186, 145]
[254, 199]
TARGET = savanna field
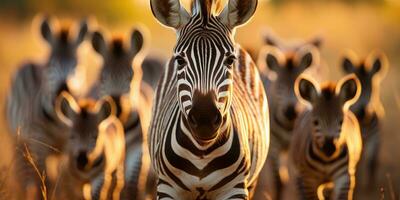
[361, 26]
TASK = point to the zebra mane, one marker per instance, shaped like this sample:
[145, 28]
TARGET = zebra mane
[64, 34]
[206, 8]
[117, 46]
[328, 90]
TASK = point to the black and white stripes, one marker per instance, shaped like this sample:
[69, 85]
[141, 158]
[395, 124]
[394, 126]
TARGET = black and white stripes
[209, 131]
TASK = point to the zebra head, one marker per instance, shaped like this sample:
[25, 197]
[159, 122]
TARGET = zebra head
[63, 59]
[329, 108]
[369, 72]
[117, 71]
[204, 57]
[287, 63]
[83, 119]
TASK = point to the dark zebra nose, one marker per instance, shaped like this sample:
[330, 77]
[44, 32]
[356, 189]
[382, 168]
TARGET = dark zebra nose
[329, 146]
[82, 160]
[204, 117]
[290, 112]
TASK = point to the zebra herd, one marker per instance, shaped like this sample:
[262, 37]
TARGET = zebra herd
[202, 129]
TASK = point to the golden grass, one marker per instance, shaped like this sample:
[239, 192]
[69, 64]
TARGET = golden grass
[41, 175]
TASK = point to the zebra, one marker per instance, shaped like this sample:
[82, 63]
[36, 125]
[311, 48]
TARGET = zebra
[89, 123]
[209, 132]
[368, 109]
[286, 63]
[30, 114]
[326, 143]
[121, 78]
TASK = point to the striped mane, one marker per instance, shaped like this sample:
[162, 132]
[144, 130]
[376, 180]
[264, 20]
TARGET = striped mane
[206, 8]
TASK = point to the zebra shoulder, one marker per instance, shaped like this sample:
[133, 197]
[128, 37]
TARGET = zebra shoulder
[249, 75]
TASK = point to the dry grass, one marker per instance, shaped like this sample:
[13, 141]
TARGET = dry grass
[41, 175]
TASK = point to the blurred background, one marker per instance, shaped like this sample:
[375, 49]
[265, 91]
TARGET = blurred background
[360, 25]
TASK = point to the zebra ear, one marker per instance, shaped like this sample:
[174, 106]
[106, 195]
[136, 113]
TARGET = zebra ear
[348, 65]
[106, 107]
[137, 41]
[270, 39]
[98, 43]
[378, 63]
[348, 89]
[45, 30]
[83, 29]
[170, 13]
[238, 12]
[307, 56]
[272, 62]
[316, 42]
[66, 108]
[306, 90]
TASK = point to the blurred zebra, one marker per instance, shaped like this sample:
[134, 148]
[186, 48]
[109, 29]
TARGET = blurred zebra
[280, 65]
[121, 78]
[368, 109]
[326, 143]
[30, 103]
[94, 132]
[209, 132]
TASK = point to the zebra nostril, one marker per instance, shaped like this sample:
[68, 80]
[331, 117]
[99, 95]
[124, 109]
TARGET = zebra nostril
[217, 120]
[290, 113]
[82, 160]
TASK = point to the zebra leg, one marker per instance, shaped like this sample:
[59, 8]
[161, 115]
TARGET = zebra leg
[307, 188]
[344, 187]
[372, 159]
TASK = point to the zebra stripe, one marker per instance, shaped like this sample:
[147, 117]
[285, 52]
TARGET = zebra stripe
[119, 77]
[227, 167]
[326, 144]
[30, 103]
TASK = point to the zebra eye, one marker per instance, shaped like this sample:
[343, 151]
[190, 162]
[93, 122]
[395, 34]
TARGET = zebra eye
[180, 60]
[230, 60]
[316, 122]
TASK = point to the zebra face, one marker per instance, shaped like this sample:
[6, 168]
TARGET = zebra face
[367, 71]
[204, 57]
[204, 73]
[83, 119]
[328, 103]
[117, 71]
[287, 65]
[63, 56]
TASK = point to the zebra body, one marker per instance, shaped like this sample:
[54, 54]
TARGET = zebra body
[326, 144]
[185, 167]
[368, 109]
[286, 63]
[121, 78]
[209, 132]
[30, 104]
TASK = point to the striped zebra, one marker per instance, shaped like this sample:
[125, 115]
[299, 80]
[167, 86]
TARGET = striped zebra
[80, 163]
[209, 133]
[326, 143]
[368, 109]
[280, 65]
[121, 78]
[30, 110]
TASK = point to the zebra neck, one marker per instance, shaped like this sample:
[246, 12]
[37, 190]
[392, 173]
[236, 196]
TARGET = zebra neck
[185, 136]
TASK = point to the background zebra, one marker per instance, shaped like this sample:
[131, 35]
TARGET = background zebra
[209, 132]
[368, 109]
[280, 64]
[121, 78]
[30, 104]
[326, 143]
[80, 164]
